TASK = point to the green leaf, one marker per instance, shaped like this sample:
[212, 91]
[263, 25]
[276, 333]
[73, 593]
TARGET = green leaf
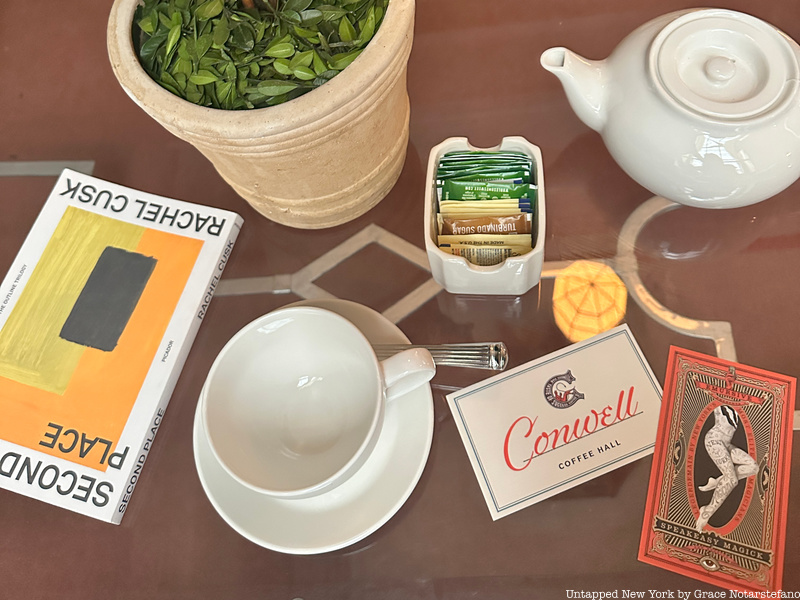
[311, 17]
[181, 79]
[304, 73]
[170, 88]
[183, 51]
[324, 77]
[149, 23]
[276, 87]
[169, 79]
[302, 59]
[284, 50]
[193, 94]
[324, 42]
[207, 63]
[224, 89]
[182, 66]
[256, 98]
[308, 34]
[209, 9]
[340, 61]
[318, 64]
[173, 37]
[286, 38]
[230, 71]
[191, 48]
[297, 5]
[347, 33]
[150, 48]
[203, 78]
[203, 44]
[243, 37]
[368, 28]
[291, 15]
[164, 20]
[282, 66]
[330, 12]
[261, 29]
[221, 32]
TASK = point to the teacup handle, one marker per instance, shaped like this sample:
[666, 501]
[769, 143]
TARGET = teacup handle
[407, 371]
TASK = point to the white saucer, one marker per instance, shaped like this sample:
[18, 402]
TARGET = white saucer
[360, 505]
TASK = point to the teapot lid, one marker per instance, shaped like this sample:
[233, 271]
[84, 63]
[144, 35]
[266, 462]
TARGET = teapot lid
[724, 64]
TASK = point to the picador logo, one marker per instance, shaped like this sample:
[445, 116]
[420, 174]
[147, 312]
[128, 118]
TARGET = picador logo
[560, 391]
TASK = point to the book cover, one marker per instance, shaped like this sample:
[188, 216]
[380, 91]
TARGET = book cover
[719, 484]
[97, 315]
[558, 421]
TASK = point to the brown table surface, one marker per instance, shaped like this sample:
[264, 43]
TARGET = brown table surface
[474, 71]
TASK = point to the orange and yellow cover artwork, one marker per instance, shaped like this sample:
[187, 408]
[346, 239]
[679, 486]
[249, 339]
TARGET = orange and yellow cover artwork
[50, 385]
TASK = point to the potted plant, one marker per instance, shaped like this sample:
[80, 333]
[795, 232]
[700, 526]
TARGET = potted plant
[312, 160]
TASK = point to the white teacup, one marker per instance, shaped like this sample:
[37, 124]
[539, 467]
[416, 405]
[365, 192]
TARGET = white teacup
[295, 401]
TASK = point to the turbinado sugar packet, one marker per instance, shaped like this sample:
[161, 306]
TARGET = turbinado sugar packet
[485, 256]
[486, 202]
[491, 224]
[522, 240]
[486, 207]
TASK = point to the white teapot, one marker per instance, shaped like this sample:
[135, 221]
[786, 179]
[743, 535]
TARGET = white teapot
[700, 107]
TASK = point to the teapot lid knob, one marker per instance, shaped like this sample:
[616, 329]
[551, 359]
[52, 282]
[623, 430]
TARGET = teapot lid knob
[723, 64]
[720, 68]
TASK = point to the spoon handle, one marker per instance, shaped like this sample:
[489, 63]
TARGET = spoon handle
[476, 355]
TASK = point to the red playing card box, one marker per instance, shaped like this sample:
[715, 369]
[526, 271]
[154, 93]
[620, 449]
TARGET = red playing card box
[719, 484]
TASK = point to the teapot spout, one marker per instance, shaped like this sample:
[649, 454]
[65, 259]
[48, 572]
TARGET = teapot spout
[584, 81]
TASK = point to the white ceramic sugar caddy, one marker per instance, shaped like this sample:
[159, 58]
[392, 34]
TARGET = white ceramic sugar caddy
[515, 275]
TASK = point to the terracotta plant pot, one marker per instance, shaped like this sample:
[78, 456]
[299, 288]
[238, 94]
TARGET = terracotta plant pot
[317, 161]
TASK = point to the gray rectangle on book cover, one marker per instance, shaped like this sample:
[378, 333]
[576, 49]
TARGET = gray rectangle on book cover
[108, 299]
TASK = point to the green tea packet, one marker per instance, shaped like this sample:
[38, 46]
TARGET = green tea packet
[466, 164]
[497, 175]
[456, 157]
[453, 189]
[484, 153]
[494, 163]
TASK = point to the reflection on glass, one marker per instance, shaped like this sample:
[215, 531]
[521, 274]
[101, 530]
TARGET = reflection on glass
[588, 298]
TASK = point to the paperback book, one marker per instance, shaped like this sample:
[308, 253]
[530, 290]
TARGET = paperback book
[719, 485]
[97, 316]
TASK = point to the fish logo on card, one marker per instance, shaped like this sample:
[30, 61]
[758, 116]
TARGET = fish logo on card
[560, 391]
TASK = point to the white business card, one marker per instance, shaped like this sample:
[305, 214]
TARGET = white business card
[559, 421]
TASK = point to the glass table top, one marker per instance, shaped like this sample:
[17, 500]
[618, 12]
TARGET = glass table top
[720, 282]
